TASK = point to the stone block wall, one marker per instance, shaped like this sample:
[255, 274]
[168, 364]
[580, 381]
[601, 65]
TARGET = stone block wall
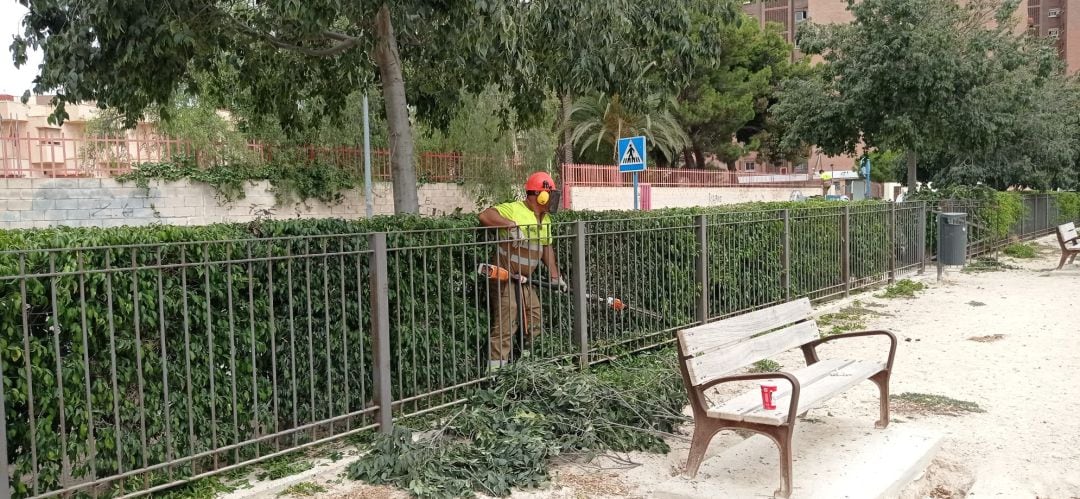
[48, 202]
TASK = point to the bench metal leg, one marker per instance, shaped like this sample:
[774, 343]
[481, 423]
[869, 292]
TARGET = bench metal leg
[782, 437]
[881, 379]
[704, 431]
[1064, 258]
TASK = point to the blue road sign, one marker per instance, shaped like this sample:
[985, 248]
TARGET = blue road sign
[632, 154]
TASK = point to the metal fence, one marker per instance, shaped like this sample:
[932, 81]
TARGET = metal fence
[130, 369]
[1039, 216]
[77, 156]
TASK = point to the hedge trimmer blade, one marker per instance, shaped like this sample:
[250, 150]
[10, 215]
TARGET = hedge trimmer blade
[619, 305]
[500, 274]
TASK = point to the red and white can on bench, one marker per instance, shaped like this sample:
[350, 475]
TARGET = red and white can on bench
[767, 390]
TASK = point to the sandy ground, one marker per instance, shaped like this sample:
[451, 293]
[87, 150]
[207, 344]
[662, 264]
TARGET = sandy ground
[1026, 444]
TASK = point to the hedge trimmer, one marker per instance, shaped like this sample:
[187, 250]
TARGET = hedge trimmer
[500, 274]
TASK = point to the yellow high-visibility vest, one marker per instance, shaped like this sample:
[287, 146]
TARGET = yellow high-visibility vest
[520, 213]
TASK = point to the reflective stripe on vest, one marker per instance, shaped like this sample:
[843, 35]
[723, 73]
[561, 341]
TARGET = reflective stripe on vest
[519, 260]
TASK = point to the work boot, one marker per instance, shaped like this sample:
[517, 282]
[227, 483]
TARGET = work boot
[526, 349]
[495, 365]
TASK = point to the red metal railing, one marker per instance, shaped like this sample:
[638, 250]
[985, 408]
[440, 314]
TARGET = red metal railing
[609, 176]
[65, 156]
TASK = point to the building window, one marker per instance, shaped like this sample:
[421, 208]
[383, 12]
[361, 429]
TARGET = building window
[800, 16]
[49, 136]
[749, 166]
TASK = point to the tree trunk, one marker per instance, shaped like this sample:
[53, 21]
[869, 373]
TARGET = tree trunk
[402, 168]
[912, 158]
[700, 155]
[688, 158]
[566, 102]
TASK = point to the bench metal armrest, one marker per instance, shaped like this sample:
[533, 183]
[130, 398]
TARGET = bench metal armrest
[810, 349]
[751, 377]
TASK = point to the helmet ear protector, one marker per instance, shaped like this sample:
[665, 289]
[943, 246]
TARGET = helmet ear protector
[549, 196]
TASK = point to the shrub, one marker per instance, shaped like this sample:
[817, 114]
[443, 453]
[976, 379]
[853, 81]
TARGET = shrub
[1022, 250]
[1068, 206]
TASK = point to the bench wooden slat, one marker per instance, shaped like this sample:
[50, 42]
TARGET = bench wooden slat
[713, 335]
[817, 392]
[1066, 232]
[750, 401]
[717, 363]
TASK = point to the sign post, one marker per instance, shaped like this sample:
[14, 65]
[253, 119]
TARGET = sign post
[369, 200]
[866, 175]
[632, 160]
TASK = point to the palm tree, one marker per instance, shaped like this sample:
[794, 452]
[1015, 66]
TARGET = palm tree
[600, 119]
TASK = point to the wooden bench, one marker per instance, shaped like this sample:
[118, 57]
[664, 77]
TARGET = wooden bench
[709, 353]
[1070, 243]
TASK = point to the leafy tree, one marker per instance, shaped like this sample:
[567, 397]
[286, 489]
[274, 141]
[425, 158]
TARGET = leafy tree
[732, 95]
[886, 166]
[636, 50]
[487, 145]
[298, 60]
[909, 75]
[599, 120]
[1036, 124]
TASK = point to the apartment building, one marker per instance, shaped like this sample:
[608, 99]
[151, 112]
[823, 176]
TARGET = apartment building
[30, 146]
[1058, 20]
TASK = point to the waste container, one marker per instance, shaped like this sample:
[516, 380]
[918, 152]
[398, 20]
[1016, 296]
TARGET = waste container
[952, 238]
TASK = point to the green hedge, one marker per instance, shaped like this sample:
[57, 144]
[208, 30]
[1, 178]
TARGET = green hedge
[221, 298]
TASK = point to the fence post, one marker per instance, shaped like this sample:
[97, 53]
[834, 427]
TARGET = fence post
[1049, 223]
[922, 237]
[892, 243]
[786, 256]
[5, 474]
[701, 268]
[380, 331]
[581, 318]
[845, 250]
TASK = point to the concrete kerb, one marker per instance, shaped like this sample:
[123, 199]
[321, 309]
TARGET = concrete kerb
[323, 470]
[842, 459]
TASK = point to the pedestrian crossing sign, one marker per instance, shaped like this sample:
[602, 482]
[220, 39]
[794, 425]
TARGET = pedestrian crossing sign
[631, 154]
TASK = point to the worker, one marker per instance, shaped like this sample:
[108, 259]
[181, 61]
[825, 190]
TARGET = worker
[524, 242]
[826, 178]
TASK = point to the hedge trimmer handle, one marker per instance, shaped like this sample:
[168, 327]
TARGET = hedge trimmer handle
[500, 274]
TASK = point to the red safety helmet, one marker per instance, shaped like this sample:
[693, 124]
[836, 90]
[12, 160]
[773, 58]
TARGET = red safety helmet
[540, 181]
[544, 186]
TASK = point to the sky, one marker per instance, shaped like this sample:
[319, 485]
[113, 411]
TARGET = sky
[14, 81]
